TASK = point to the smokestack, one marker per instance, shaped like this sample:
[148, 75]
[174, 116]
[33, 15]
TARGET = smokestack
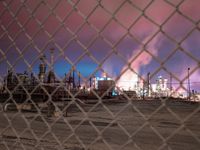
[90, 82]
[79, 79]
[143, 89]
[73, 76]
[138, 83]
[42, 69]
[148, 84]
[170, 81]
[52, 58]
[189, 84]
[70, 80]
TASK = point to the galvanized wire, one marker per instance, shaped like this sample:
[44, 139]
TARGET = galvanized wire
[17, 137]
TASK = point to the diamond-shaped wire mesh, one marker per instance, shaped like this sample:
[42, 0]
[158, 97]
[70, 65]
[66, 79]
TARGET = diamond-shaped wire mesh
[99, 74]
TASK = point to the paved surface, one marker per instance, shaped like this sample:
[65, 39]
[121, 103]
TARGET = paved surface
[154, 127]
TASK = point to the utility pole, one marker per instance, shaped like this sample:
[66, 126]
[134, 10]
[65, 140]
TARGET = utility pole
[189, 94]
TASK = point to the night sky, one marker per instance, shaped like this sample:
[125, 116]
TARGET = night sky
[160, 37]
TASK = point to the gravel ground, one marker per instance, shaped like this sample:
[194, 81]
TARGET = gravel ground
[137, 125]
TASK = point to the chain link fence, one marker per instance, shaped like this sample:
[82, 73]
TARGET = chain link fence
[99, 74]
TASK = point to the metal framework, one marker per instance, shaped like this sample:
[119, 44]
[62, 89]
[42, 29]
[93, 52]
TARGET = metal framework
[78, 124]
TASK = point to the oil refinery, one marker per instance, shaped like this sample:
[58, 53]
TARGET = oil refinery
[45, 84]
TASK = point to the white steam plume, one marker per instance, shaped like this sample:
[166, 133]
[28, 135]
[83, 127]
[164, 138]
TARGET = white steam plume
[128, 79]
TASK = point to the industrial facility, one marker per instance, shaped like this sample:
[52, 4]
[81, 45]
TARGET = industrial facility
[46, 83]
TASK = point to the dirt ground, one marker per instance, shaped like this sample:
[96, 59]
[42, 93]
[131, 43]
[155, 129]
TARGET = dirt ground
[135, 125]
